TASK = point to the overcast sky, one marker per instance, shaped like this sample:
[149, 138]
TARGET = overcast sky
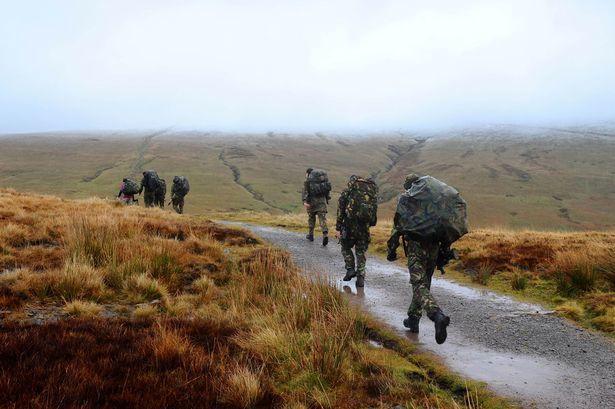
[308, 65]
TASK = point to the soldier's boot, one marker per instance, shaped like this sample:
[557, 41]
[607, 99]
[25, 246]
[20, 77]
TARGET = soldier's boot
[350, 274]
[325, 240]
[360, 281]
[310, 237]
[441, 321]
[412, 323]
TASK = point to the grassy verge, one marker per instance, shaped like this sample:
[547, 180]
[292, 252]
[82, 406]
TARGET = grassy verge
[111, 306]
[571, 272]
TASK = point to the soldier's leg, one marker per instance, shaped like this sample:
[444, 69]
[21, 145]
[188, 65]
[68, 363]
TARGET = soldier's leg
[360, 249]
[148, 199]
[322, 220]
[419, 261]
[181, 205]
[349, 260]
[311, 225]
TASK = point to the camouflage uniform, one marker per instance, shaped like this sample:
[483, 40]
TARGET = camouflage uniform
[160, 194]
[148, 195]
[354, 234]
[422, 258]
[177, 199]
[318, 207]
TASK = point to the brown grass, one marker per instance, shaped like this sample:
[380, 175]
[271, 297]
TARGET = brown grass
[207, 317]
[546, 267]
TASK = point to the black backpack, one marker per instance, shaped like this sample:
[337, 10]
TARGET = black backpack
[181, 186]
[318, 183]
[130, 187]
[152, 180]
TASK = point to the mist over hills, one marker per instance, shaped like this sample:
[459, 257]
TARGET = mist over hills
[539, 177]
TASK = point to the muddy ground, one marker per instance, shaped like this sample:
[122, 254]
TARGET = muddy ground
[520, 350]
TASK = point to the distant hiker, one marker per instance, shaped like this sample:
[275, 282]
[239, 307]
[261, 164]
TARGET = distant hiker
[160, 193]
[430, 216]
[149, 184]
[356, 213]
[179, 190]
[316, 195]
[128, 189]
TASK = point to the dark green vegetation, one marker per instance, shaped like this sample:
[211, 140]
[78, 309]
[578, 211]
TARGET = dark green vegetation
[515, 177]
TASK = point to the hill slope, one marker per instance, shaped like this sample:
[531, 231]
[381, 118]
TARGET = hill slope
[518, 177]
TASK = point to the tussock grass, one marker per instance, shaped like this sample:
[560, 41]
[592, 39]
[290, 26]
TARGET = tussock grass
[236, 325]
[243, 388]
[79, 308]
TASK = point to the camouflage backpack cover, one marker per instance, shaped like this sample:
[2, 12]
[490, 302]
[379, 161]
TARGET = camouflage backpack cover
[152, 180]
[318, 183]
[431, 210]
[131, 187]
[362, 202]
[181, 186]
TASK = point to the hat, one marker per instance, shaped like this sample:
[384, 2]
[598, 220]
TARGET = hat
[410, 179]
[309, 170]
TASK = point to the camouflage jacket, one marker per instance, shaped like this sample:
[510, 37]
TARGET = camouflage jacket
[317, 204]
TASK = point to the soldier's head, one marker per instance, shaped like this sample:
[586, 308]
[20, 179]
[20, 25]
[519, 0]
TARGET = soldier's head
[175, 179]
[410, 179]
[308, 171]
[125, 180]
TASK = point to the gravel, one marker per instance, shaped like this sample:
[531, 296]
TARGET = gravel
[519, 349]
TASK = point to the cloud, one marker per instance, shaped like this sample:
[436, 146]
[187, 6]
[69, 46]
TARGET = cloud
[299, 65]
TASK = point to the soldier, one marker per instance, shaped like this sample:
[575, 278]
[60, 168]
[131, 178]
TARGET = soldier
[352, 229]
[422, 261]
[149, 184]
[315, 202]
[179, 190]
[160, 193]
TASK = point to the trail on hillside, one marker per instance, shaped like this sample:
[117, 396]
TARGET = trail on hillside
[140, 161]
[223, 157]
[519, 349]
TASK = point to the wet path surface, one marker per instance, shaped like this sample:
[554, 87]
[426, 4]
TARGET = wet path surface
[519, 349]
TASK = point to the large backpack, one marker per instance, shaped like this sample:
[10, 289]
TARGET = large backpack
[318, 183]
[181, 185]
[152, 180]
[131, 187]
[362, 204]
[431, 210]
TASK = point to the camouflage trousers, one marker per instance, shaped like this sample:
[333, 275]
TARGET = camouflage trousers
[178, 204]
[360, 248]
[148, 198]
[421, 265]
[322, 220]
[159, 199]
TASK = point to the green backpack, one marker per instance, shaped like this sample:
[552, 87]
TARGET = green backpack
[431, 210]
[362, 204]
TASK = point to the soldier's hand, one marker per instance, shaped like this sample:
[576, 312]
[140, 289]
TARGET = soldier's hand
[392, 256]
[338, 234]
[306, 205]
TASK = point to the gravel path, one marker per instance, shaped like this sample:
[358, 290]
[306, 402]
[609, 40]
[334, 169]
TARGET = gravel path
[519, 349]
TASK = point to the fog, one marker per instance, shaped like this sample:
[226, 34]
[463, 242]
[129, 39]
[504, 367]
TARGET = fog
[306, 66]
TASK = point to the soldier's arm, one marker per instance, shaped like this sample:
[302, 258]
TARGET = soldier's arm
[305, 193]
[141, 185]
[341, 209]
[393, 241]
